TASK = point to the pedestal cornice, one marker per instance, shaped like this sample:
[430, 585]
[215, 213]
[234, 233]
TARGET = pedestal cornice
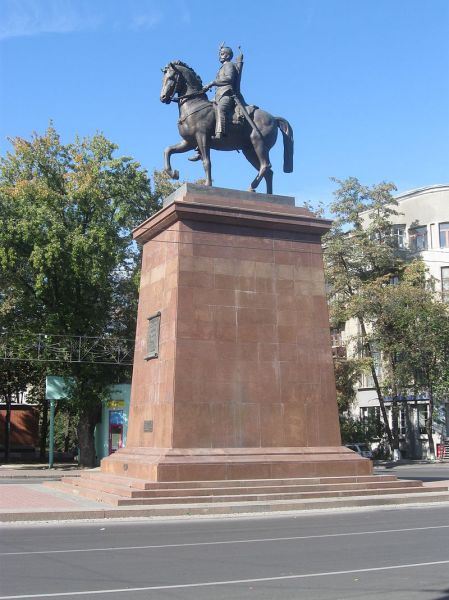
[231, 207]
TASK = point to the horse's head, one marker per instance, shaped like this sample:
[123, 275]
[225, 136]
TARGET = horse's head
[178, 78]
[170, 83]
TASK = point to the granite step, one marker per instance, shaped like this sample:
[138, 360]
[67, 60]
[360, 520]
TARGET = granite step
[121, 480]
[118, 499]
[223, 509]
[270, 497]
[254, 507]
[253, 488]
[150, 485]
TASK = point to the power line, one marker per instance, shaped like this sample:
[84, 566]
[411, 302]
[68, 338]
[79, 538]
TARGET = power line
[42, 347]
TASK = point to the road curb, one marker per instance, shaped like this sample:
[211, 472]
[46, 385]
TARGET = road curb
[214, 510]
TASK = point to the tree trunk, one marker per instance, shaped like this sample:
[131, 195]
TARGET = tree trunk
[395, 424]
[380, 396]
[429, 425]
[410, 411]
[67, 434]
[86, 442]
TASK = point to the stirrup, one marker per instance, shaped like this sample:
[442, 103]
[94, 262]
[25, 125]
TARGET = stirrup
[195, 157]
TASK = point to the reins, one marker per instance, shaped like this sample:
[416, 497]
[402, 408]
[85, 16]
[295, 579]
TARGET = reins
[202, 107]
[182, 99]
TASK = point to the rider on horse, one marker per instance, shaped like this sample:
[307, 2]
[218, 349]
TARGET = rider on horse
[227, 83]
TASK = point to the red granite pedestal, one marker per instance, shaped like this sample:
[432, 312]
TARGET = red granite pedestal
[238, 381]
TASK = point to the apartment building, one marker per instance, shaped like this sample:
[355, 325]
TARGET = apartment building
[421, 226]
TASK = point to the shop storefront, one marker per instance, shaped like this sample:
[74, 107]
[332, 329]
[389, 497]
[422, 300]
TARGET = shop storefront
[110, 434]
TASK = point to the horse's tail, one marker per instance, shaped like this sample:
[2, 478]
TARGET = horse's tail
[287, 134]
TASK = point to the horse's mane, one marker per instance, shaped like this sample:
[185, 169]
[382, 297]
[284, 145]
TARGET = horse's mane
[192, 77]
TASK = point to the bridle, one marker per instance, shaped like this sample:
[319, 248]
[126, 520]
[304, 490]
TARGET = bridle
[175, 86]
[183, 98]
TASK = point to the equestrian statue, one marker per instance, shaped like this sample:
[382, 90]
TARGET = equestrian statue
[228, 123]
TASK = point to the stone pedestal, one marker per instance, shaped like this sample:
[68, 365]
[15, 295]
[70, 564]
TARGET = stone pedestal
[233, 374]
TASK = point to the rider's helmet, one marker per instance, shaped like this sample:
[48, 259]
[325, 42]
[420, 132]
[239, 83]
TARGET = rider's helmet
[228, 51]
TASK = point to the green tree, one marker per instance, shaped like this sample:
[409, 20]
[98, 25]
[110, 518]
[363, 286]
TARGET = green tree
[67, 261]
[348, 372]
[357, 251]
[411, 328]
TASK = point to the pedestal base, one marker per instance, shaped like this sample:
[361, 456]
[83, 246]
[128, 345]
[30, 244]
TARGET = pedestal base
[209, 464]
[233, 375]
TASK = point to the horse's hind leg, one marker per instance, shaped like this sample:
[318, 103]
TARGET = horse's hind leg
[263, 159]
[182, 146]
[251, 156]
[269, 180]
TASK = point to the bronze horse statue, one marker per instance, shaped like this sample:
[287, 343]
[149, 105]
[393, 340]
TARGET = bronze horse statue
[196, 126]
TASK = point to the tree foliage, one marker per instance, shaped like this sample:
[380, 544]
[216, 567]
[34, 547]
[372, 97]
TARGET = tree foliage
[411, 328]
[376, 285]
[67, 261]
[348, 372]
[358, 250]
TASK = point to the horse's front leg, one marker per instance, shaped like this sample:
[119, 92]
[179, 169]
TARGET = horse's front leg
[183, 146]
[204, 149]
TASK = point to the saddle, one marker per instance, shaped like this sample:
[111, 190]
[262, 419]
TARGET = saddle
[237, 115]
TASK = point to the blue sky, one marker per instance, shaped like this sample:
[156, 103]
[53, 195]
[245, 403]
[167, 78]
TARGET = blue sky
[364, 83]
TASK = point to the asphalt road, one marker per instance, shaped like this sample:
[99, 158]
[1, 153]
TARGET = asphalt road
[424, 472]
[399, 554]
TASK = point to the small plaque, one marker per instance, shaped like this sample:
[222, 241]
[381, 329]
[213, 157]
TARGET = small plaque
[154, 324]
[148, 426]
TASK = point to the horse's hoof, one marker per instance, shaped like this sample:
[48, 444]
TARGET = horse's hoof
[251, 190]
[175, 175]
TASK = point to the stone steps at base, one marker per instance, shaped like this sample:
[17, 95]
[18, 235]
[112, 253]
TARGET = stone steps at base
[143, 484]
[273, 497]
[97, 475]
[235, 508]
[278, 506]
[252, 488]
[118, 500]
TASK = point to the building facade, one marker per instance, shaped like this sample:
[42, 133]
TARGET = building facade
[422, 227]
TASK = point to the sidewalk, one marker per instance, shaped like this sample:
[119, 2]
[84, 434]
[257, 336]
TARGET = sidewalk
[38, 471]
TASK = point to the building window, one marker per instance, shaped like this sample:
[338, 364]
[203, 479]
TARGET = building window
[338, 347]
[402, 420]
[445, 284]
[398, 236]
[401, 412]
[370, 415]
[444, 235]
[418, 239]
[363, 352]
[423, 416]
[336, 337]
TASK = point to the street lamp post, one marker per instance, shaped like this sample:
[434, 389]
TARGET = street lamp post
[51, 442]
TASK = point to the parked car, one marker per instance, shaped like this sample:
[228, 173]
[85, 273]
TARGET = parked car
[361, 449]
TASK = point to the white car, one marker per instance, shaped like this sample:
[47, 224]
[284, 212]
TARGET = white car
[361, 449]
